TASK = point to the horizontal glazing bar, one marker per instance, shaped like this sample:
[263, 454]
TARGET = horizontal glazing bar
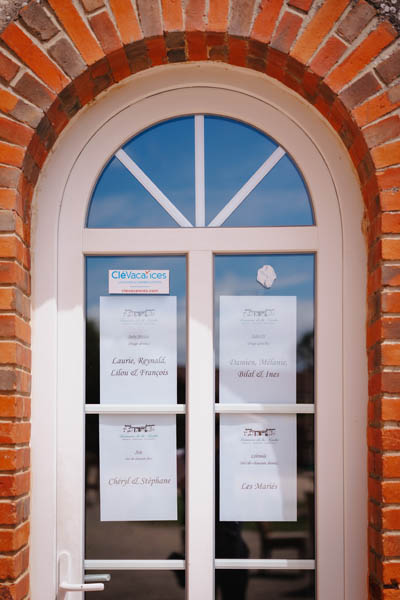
[179, 565]
[177, 241]
[134, 409]
[282, 409]
[254, 563]
[178, 409]
[131, 565]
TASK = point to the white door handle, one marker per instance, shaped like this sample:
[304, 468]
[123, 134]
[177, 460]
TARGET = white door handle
[64, 576]
[81, 587]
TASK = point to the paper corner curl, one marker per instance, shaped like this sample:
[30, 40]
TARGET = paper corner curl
[266, 276]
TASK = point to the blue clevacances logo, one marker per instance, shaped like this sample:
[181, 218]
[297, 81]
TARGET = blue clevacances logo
[142, 275]
[138, 281]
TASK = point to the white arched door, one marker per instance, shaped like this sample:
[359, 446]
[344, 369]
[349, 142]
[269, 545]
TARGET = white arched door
[200, 355]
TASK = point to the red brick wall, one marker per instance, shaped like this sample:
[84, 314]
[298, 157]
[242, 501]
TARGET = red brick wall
[58, 56]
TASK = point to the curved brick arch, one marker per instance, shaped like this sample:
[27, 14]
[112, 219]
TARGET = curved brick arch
[58, 55]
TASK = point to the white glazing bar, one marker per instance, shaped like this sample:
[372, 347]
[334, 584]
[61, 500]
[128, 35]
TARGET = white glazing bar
[179, 565]
[151, 187]
[200, 514]
[283, 409]
[199, 170]
[260, 563]
[132, 565]
[248, 187]
[134, 409]
[227, 240]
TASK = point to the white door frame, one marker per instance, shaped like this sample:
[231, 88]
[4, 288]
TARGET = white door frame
[62, 196]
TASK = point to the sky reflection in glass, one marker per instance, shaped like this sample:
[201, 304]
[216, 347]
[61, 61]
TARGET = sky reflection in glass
[97, 268]
[236, 275]
[166, 154]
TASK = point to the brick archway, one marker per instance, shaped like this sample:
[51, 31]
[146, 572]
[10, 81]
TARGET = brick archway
[58, 56]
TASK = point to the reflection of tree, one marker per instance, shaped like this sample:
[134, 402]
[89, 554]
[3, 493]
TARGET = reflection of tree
[305, 394]
[92, 421]
[92, 363]
[305, 368]
[305, 350]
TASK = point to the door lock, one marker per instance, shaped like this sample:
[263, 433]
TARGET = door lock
[97, 577]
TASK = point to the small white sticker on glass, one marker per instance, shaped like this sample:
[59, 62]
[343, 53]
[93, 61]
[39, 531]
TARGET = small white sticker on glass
[266, 276]
[127, 281]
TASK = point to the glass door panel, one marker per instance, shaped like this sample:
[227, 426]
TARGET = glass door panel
[97, 268]
[136, 362]
[292, 275]
[264, 341]
[267, 539]
[139, 540]
[251, 584]
[151, 585]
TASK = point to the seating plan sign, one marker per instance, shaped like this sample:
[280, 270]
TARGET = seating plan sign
[258, 468]
[138, 468]
[257, 349]
[258, 458]
[138, 365]
[138, 339]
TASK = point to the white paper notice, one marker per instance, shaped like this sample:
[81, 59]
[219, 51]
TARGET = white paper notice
[138, 468]
[138, 349]
[138, 365]
[258, 458]
[258, 468]
[257, 349]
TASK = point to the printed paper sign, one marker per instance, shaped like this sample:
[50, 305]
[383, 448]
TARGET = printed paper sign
[138, 468]
[258, 468]
[258, 459]
[257, 349]
[126, 281]
[138, 350]
[138, 365]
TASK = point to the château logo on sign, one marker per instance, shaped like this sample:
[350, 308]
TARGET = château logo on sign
[138, 428]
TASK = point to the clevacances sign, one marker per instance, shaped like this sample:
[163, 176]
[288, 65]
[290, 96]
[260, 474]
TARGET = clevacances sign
[128, 281]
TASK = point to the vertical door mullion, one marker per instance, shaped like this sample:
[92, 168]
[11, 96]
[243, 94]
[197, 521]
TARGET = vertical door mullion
[70, 402]
[330, 548]
[200, 427]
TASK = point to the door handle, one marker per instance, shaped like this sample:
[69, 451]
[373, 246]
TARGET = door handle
[64, 577]
[81, 587]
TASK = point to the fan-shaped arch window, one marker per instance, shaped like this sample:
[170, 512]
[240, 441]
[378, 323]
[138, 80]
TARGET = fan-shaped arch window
[200, 171]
